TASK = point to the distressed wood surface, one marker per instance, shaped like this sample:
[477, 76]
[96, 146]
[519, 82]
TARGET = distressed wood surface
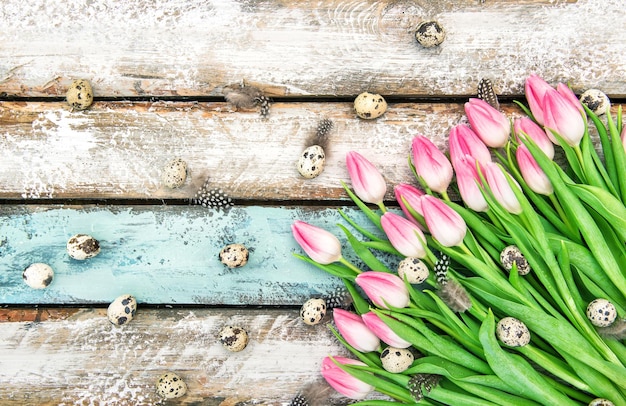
[82, 359]
[164, 254]
[306, 48]
[118, 149]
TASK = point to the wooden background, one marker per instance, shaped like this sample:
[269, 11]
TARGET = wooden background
[158, 68]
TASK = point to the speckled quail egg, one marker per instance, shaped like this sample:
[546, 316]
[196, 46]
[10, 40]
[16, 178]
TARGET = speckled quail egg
[596, 101]
[512, 332]
[233, 338]
[38, 275]
[512, 255]
[83, 246]
[234, 255]
[170, 386]
[413, 269]
[369, 105]
[430, 34]
[311, 162]
[122, 310]
[601, 402]
[601, 312]
[80, 94]
[396, 360]
[174, 173]
[313, 311]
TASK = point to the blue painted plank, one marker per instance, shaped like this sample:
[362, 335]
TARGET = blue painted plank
[163, 254]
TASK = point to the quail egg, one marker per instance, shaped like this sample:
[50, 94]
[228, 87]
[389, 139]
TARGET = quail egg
[369, 105]
[512, 255]
[122, 310]
[512, 332]
[413, 269]
[234, 255]
[396, 360]
[601, 312]
[38, 275]
[170, 386]
[82, 246]
[596, 101]
[233, 338]
[311, 162]
[430, 34]
[80, 94]
[601, 402]
[313, 311]
[174, 173]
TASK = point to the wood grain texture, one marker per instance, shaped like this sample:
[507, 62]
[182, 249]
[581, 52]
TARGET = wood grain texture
[85, 360]
[117, 149]
[164, 254]
[328, 47]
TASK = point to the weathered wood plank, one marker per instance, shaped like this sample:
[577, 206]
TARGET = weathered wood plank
[117, 149]
[163, 254]
[85, 360]
[329, 47]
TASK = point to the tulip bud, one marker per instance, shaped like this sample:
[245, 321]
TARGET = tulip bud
[468, 182]
[383, 331]
[404, 235]
[561, 116]
[355, 331]
[499, 185]
[342, 381]
[568, 94]
[431, 164]
[384, 289]
[445, 224]
[489, 124]
[411, 195]
[463, 141]
[524, 126]
[322, 246]
[533, 175]
[535, 88]
[367, 182]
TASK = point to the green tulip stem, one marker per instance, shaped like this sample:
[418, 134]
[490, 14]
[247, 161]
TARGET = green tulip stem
[347, 263]
[382, 207]
[559, 209]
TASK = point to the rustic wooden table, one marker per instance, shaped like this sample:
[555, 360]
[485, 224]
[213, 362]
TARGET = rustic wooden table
[159, 69]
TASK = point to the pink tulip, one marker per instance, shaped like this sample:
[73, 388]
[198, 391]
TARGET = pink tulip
[445, 225]
[489, 124]
[568, 94]
[384, 289]
[410, 194]
[322, 246]
[431, 164]
[563, 117]
[468, 182]
[355, 331]
[404, 235]
[367, 182]
[463, 141]
[378, 327]
[499, 185]
[524, 126]
[342, 381]
[535, 88]
[533, 175]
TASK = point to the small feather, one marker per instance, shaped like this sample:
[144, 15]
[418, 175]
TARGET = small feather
[455, 296]
[486, 93]
[616, 331]
[314, 394]
[212, 198]
[441, 269]
[339, 298]
[422, 383]
[247, 97]
[324, 126]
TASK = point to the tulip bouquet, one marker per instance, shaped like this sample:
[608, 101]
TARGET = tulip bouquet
[514, 296]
